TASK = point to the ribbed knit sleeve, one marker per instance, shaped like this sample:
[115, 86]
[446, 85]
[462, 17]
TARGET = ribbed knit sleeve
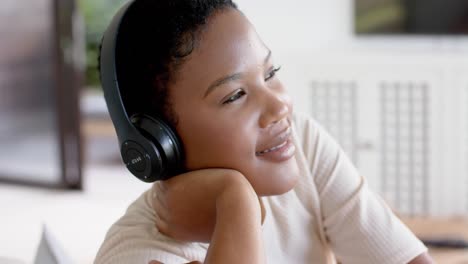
[359, 226]
[134, 238]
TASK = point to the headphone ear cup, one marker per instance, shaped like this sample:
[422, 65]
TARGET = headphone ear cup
[142, 158]
[166, 142]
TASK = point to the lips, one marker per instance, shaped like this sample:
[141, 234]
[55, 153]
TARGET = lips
[276, 143]
[272, 149]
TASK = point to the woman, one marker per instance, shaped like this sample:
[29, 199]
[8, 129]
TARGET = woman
[263, 185]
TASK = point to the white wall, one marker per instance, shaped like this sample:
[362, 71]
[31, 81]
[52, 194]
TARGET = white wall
[317, 25]
[299, 25]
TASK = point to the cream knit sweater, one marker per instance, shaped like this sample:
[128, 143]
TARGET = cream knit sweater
[330, 214]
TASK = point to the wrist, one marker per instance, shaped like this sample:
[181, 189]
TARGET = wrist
[239, 201]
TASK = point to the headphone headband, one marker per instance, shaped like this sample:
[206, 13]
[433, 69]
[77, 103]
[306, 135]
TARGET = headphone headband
[110, 84]
[148, 146]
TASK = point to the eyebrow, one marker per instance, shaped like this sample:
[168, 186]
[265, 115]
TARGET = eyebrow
[231, 77]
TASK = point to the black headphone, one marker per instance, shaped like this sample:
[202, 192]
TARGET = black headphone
[149, 147]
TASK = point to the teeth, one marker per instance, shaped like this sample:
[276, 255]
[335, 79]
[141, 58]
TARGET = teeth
[273, 148]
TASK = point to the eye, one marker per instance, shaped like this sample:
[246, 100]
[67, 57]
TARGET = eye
[272, 73]
[239, 93]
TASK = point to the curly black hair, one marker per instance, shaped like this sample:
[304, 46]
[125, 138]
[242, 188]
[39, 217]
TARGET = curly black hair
[156, 37]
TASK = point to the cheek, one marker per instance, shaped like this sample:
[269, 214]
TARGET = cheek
[212, 143]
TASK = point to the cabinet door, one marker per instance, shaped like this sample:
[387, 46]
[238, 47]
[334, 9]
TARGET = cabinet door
[408, 137]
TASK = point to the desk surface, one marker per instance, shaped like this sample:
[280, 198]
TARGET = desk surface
[442, 228]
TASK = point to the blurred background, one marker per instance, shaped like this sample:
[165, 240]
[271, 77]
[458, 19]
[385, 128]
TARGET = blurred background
[387, 78]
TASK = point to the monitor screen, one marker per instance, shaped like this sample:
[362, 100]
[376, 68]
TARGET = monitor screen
[411, 17]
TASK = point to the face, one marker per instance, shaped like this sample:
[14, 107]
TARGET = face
[233, 111]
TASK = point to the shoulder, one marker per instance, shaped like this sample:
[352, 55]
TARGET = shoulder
[135, 238]
[308, 128]
[313, 138]
[301, 121]
[304, 127]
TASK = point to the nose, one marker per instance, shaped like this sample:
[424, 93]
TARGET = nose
[276, 108]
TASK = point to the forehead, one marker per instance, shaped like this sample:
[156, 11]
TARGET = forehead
[228, 44]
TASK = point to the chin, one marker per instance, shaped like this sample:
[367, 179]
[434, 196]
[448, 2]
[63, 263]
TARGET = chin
[287, 186]
[281, 182]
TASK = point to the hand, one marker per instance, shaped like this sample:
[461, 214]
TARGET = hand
[186, 205]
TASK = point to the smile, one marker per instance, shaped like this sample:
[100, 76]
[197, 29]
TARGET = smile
[281, 148]
[272, 149]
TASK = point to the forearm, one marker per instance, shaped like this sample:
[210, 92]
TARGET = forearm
[237, 237]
